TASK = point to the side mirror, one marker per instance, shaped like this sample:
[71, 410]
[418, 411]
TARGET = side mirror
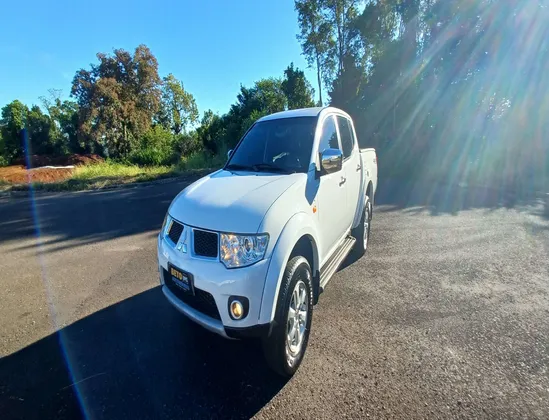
[331, 160]
[229, 153]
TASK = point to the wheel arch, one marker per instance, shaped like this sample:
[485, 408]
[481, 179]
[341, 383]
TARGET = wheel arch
[298, 236]
[307, 248]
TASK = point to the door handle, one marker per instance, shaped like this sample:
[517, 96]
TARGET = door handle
[358, 167]
[343, 180]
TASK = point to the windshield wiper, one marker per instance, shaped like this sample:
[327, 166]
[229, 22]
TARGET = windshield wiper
[258, 167]
[237, 167]
[269, 167]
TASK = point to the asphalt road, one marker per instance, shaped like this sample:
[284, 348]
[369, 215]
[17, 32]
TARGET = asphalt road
[446, 317]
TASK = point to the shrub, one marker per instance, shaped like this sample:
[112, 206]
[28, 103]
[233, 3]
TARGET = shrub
[202, 160]
[186, 144]
[155, 148]
[151, 157]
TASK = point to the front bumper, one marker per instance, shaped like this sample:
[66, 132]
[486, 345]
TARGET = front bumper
[210, 324]
[211, 276]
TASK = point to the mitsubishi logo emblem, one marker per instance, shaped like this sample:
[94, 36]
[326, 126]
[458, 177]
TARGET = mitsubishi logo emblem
[182, 246]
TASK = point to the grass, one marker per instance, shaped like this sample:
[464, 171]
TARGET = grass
[113, 170]
[110, 174]
[200, 160]
[103, 175]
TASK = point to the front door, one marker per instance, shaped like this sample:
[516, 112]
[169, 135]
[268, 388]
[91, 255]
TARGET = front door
[332, 198]
[351, 166]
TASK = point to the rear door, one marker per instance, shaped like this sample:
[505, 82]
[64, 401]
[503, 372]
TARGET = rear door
[332, 198]
[351, 167]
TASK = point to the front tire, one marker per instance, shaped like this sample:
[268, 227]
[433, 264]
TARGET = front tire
[285, 347]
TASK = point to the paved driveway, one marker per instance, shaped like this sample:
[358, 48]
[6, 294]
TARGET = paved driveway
[446, 316]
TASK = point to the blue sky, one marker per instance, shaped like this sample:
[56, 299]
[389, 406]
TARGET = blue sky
[212, 46]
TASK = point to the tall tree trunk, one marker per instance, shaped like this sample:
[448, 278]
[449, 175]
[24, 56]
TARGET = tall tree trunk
[319, 78]
[340, 40]
[125, 145]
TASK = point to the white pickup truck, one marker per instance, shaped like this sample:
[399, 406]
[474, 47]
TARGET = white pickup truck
[247, 250]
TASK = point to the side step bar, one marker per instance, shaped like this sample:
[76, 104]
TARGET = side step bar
[335, 261]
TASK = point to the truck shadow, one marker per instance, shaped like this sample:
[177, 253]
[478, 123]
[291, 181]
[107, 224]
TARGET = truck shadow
[73, 219]
[136, 359]
[440, 198]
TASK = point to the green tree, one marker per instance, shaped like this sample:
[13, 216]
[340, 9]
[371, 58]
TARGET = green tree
[13, 121]
[329, 35]
[314, 36]
[178, 109]
[348, 88]
[297, 89]
[268, 96]
[67, 120]
[39, 126]
[64, 123]
[341, 15]
[265, 97]
[212, 131]
[429, 81]
[117, 99]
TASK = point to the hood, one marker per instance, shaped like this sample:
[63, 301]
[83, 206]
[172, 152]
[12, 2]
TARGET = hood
[230, 202]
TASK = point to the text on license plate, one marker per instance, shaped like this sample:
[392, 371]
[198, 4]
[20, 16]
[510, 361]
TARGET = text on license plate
[180, 278]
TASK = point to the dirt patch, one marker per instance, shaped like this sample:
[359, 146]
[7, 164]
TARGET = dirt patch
[18, 174]
[46, 160]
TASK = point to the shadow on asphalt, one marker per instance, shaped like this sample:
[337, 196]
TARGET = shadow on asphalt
[451, 199]
[82, 218]
[136, 359]
[87, 217]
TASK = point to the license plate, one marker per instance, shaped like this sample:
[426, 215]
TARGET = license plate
[181, 279]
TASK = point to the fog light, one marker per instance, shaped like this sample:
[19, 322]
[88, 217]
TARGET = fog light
[237, 310]
[238, 307]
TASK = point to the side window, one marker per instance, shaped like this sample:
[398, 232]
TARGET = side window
[346, 134]
[328, 138]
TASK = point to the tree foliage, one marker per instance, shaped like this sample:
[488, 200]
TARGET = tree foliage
[122, 109]
[267, 96]
[340, 15]
[13, 120]
[117, 99]
[39, 126]
[451, 84]
[51, 132]
[178, 108]
[297, 89]
[64, 123]
[453, 89]
[314, 37]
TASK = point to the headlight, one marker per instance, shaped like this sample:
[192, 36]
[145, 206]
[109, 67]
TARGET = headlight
[164, 224]
[242, 250]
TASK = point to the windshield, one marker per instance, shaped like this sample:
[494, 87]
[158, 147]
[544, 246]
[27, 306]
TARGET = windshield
[281, 145]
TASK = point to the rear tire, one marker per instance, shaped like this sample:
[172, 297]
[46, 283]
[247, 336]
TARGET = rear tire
[362, 232]
[285, 347]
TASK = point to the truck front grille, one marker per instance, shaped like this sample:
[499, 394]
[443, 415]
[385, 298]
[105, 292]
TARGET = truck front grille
[202, 301]
[176, 229]
[206, 243]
